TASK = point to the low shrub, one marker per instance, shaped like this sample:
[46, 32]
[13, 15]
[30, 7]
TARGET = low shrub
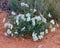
[29, 18]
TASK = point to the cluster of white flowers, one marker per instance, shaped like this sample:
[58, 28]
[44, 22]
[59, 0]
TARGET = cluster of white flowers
[34, 36]
[38, 18]
[22, 17]
[24, 4]
[8, 25]
[41, 35]
[28, 16]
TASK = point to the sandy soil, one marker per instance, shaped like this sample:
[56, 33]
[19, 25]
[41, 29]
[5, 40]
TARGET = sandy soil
[52, 40]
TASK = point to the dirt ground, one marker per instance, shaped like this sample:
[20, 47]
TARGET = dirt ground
[52, 40]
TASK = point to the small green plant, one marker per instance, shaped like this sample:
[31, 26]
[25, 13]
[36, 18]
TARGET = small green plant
[34, 19]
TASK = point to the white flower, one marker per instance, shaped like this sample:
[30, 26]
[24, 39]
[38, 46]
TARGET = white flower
[33, 22]
[28, 15]
[13, 13]
[4, 19]
[41, 33]
[49, 15]
[46, 31]
[38, 18]
[44, 20]
[34, 35]
[52, 21]
[9, 25]
[40, 37]
[53, 29]
[28, 19]
[17, 21]
[34, 10]
[9, 31]
[22, 16]
[6, 24]
[23, 28]
[24, 4]
[16, 32]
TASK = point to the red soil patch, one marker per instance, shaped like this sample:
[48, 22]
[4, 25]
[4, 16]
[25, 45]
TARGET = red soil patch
[52, 40]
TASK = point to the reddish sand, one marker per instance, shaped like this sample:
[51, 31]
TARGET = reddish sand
[52, 40]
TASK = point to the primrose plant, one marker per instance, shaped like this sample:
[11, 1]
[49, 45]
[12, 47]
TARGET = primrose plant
[29, 22]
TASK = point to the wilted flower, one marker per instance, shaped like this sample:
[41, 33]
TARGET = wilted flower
[53, 29]
[46, 31]
[50, 26]
[57, 25]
